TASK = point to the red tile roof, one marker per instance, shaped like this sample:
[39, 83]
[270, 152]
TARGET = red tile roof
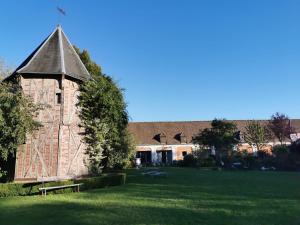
[145, 132]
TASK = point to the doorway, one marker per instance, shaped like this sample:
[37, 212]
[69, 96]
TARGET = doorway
[145, 157]
[165, 157]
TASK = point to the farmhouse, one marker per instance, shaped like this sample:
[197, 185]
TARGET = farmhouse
[51, 76]
[165, 142]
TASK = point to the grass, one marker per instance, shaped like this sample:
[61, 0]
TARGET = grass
[186, 196]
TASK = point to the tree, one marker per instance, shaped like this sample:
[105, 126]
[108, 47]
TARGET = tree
[221, 136]
[5, 70]
[17, 114]
[105, 119]
[90, 65]
[256, 134]
[280, 126]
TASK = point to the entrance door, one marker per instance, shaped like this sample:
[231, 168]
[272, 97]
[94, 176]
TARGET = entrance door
[165, 157]
[145, 157]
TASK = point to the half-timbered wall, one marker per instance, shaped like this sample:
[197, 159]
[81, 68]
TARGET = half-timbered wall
[55, 151]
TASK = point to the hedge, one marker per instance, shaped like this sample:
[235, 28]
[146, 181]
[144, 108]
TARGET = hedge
[18, 189]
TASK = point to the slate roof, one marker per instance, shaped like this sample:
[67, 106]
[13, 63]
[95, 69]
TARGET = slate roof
[55, 55]
[145, 133]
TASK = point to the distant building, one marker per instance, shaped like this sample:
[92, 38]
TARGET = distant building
[166, 142]
[51, 75]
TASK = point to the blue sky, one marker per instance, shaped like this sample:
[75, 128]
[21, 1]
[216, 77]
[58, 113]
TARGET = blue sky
[177, 60]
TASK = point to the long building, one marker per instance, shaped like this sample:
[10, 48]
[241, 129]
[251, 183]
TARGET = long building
[166, 142]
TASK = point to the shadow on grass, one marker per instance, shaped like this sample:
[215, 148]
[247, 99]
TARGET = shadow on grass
[185, 197]
[114, 213]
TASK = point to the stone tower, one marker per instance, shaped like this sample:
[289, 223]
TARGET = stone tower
[51, 75]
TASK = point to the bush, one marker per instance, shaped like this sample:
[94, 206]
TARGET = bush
[18, 189]
[295, 147]
[106, 180]
[189, 160]
[207, 162]
[280, 149]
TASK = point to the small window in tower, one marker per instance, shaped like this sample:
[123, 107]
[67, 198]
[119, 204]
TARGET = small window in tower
[58, 98]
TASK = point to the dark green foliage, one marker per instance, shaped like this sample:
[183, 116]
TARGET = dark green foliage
[280, 149]
[106, 180]
[247, 160]
[295, 147]
[189, 160]
[17, 114]
[221, 135]
[18, 189]
[286, 158]
[105, 119]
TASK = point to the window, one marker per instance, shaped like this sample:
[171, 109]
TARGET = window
[58, 98]
[163, 138]
[183, 139]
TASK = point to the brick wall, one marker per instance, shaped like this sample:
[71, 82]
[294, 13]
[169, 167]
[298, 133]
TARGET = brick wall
[55, 150]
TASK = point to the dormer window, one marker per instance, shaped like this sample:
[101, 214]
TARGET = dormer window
[162, 138]
[183, 139]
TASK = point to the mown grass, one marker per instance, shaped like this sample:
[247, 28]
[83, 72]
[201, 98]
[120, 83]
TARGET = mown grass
[186, 196]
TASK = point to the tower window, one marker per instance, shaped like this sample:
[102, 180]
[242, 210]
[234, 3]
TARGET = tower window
[58, 98]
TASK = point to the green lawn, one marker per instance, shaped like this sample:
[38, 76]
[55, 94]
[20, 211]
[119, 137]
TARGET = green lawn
[187, 196]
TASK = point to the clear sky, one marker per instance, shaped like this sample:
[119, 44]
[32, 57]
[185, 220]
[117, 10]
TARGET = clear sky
[177, 60]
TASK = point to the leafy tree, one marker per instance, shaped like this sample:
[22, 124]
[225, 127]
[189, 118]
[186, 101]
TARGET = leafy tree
[280, 126]
[90, 65]
[105, 119]
[221, 136]
[17, 114]
[257, 134]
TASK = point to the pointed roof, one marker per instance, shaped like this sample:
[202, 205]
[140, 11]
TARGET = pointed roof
[55, 55]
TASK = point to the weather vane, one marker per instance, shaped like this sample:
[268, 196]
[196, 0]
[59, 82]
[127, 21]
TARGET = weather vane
[60, 12]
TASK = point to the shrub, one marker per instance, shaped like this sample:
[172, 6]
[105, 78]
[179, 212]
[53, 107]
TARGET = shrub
[280, 149]
[207, 162]
[18, 189]
[189, 160]
[103, 181]
[295, 147]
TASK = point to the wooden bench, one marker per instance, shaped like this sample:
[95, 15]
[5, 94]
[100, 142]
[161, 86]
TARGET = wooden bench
[45, 189]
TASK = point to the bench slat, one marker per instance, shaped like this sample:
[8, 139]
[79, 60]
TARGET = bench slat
[59, 187]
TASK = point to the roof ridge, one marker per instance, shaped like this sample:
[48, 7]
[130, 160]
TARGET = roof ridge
[75, 52]
[193, 121]
[61, 51]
